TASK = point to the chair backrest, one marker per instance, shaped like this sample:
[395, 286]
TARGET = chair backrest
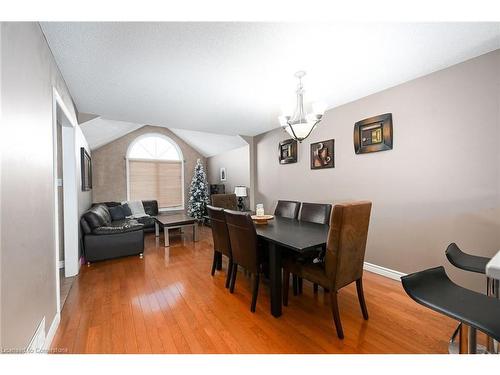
[289, 209]
[243, 239]
[227, 201]
[468, 262]
[220, 233]
[315, 212]
[346, 245]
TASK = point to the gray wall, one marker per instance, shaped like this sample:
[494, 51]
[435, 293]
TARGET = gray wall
[109, 173]
[237, 164]
[28, 279]
[439, 184]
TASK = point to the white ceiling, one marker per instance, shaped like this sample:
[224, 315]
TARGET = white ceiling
[233, 78]
[100, 131]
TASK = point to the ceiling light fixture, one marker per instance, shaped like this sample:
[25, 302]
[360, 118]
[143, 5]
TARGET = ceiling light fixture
[301, 124]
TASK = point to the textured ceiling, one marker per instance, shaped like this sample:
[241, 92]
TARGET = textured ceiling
[234, 78]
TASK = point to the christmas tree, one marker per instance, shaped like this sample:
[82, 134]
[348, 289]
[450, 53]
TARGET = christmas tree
[198, 193]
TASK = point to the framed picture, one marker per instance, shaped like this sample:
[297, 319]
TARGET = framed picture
[86, 167]
[287, 151]
[323, 154]
[373, 134]
[223, 176]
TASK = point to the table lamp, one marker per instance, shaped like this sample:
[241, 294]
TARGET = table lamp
[240, 192]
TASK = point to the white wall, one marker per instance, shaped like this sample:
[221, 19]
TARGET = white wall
[439, 184]
[237, 164]
[28, 277]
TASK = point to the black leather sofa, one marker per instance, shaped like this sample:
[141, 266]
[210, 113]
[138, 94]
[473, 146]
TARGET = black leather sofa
[104, 238]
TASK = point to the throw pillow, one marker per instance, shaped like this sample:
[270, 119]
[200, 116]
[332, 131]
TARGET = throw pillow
[117, 213]
[126, 209]
[137, 209]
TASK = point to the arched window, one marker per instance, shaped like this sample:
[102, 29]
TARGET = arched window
[155, 171]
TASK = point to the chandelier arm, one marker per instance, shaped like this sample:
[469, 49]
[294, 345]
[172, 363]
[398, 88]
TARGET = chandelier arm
[293, 131]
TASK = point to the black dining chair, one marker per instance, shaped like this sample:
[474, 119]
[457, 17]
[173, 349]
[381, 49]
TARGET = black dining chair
[222, 244]
[245, 249]
[315, 212]
[318, 213]
[288, 209]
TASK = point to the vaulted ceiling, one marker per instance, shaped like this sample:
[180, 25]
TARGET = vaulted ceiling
[99, 131]
[234, 78]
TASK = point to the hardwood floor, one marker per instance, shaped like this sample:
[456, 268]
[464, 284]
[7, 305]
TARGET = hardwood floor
[169, 303]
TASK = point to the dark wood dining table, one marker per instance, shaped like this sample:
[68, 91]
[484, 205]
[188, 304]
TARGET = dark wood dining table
[282, 234]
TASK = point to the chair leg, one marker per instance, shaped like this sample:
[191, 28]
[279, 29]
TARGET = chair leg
[255, 291]
[286, 286]
[234, 271]
[229, 272]
[300, 285]
[214, 263]
[361, 298]
[219, 262]
[315, 288]
[336, 314]
[294, 285]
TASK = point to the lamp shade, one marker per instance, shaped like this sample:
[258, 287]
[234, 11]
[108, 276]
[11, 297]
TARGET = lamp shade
[240, 191]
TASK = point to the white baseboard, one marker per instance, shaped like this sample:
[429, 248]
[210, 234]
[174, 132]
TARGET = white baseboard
[52, 332]
[387, 272]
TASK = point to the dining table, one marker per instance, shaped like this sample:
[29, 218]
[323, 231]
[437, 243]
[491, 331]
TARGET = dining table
[287, 235]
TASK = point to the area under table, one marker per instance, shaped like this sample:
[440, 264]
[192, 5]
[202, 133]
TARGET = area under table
[174, 221]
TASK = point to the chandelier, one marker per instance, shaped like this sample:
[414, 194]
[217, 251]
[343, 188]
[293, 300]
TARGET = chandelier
[300, 124]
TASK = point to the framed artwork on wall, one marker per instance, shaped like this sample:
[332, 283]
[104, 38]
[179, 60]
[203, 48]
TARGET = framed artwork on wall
[373, 134]
[287, 151]
[86, 169]
[323, 154]
[222, 174]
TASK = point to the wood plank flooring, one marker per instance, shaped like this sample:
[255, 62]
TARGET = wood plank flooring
[169, 303]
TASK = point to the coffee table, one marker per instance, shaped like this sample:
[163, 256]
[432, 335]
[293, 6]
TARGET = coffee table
[174, 221]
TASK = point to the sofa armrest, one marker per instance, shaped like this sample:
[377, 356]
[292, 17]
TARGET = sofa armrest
[126, 227]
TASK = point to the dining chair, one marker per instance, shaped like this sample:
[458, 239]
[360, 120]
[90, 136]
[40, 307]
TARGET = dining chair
[288, 209]
[344, 258]
[222, 245]
[245, 250]
[227, 201]
[314, 213]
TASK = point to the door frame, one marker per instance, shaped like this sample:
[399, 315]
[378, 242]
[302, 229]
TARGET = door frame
[70, 192]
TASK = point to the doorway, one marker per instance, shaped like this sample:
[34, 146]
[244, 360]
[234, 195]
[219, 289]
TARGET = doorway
[65, 200]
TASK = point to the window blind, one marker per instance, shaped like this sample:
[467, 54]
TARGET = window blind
[158, 180]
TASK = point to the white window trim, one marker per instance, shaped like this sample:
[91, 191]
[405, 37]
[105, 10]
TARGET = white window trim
[179, 151]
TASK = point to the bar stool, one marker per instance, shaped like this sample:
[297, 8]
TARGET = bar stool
[471, 263]
[475, 311]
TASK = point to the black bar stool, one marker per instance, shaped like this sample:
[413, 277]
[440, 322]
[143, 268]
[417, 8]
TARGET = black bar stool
[432, 288]
[471, 263]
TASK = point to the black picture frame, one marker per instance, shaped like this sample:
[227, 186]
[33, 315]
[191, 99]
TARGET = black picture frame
[86, 169]
[323, 154]
[287, 151]
[373, 134]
